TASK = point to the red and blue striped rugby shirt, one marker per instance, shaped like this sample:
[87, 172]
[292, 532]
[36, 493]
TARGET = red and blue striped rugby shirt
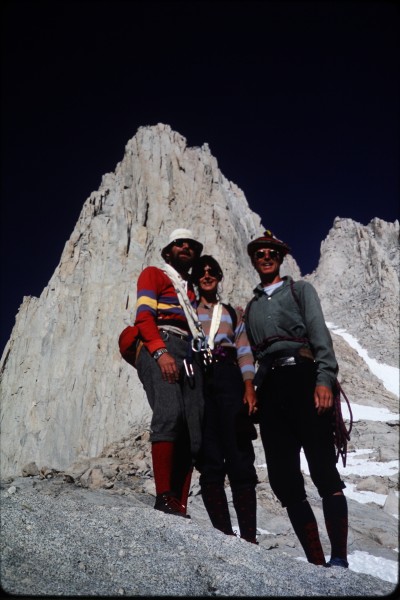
[157, 305]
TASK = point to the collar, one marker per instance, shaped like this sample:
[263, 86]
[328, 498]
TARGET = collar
[259, 290]
[207, 306]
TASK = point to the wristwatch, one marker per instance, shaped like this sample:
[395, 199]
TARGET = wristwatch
[156, 355]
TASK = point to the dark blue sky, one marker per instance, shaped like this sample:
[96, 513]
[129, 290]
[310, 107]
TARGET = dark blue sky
[298, 102]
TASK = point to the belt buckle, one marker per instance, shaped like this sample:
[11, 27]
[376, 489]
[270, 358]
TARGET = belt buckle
[290, 360]
[284, 361]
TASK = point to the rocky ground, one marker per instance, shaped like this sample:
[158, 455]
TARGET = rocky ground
[59, 539]
[96, 502]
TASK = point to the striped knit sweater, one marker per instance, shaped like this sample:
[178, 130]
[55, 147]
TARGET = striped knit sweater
[227, 337]
[157, 305]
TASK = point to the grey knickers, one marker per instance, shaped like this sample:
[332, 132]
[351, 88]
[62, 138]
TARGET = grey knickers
[176, 406]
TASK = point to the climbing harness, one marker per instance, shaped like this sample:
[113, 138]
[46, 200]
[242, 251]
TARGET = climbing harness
[215, 322]
[199, 341]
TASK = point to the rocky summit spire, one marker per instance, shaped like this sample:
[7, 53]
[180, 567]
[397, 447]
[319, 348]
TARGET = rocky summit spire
[65, 389]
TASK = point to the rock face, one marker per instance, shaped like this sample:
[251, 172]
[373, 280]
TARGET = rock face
[65, 390]
[358, 281]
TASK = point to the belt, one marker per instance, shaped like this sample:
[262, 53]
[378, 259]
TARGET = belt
[269, 362]
[289, 361]
[225, 354]
[181, 336]
[224, 360]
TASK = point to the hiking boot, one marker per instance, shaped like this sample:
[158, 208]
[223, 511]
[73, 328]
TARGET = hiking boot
[216, 504]
[168, 503]
[245, 503]
[338, 562]
[250, 540]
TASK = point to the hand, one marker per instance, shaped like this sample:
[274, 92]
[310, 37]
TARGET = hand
[323, 398]
[250, 397]
[169, 369]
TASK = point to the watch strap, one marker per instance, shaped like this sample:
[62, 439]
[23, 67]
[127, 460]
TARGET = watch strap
[156, 355]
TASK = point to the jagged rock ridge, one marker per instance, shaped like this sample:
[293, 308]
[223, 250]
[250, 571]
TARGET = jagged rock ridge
[358, 281]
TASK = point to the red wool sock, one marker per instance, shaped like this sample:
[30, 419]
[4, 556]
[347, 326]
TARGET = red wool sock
[186, 488]
[162, 455]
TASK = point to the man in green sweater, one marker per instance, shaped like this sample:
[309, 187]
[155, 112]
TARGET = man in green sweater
[296, 375]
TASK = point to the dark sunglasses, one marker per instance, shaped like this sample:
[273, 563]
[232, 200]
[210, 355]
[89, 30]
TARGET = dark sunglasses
[211, 271]
[274, 254]
[180, 243]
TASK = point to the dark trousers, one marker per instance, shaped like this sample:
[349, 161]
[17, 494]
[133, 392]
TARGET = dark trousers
[289, 422]
[227, 447]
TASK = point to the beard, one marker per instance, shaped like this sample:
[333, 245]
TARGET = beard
[181, 262]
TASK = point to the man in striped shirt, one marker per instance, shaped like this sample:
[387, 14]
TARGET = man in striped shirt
[174, 393]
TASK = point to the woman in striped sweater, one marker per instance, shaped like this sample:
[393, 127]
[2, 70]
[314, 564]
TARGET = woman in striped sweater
[230, 399]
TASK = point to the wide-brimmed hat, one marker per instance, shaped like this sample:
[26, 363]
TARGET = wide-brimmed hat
[182, 234]
[268, 240]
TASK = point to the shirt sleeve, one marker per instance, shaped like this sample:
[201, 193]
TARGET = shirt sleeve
[244, 352]
[319, 336]
[149, 286]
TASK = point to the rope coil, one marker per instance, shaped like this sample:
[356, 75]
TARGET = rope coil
[340, 432]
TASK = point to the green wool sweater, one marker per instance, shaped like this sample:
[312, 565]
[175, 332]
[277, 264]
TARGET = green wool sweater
[281, 315]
